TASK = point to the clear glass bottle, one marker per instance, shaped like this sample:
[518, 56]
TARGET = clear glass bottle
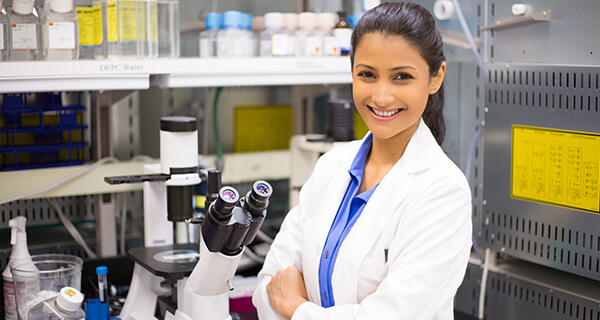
[87, 32]
[168, 28]
[208, 37]
[100, 30]
[342, 33]
[4, 27]
[273, 41]
[24, 31]
[148, 27]
[60, 31]
[230, 39]
[65, 306]
[308, 41]
[326, 22]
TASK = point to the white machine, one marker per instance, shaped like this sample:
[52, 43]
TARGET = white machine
[197, 280]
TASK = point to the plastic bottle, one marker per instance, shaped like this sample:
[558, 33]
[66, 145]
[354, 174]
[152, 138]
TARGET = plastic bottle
[24, 32]
[100, 29]
[65, 306]
[208, 37]
[230, 40]
[308, 41]
[326, 22]
[148, 27]
[273, 41]
[4, 26]
[290, 27]
[61, 31]
[87, 32]
[18, 240]
[123, 15]
[342, 34]
[248, 36]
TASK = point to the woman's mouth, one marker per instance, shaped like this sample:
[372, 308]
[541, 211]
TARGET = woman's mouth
[385, 114]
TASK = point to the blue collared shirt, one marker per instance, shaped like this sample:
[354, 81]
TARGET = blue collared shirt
[350, 209]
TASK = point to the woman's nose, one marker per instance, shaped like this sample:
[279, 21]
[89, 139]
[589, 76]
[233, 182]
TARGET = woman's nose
[382, 95]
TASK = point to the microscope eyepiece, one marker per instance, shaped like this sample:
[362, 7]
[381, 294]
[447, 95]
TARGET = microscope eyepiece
[257, 199]
[226, 200]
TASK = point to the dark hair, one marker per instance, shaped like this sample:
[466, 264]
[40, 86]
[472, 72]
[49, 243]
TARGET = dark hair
[417, 26]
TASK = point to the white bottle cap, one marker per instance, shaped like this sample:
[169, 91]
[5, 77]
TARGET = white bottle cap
[274, 20]
[307, 20]
[23, 6]
[61, 5]
[326, 20]
[69, 299]
[290, 20]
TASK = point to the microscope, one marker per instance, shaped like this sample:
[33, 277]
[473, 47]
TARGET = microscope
[179, 281]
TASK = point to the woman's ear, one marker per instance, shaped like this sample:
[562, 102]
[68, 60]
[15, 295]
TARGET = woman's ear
[438, 79]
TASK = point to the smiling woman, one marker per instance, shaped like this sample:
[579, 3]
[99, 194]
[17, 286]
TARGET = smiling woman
[383, 225]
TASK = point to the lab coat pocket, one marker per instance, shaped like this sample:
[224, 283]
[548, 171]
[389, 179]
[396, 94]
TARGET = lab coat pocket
[370, 275]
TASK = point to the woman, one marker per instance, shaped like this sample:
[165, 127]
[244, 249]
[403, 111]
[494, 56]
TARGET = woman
[383, 226]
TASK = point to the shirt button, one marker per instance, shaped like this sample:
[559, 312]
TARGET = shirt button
[325, 295]
[326, 254]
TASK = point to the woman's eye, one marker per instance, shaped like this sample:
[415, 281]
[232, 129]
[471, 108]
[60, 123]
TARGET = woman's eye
[365, 74]
[404, 76]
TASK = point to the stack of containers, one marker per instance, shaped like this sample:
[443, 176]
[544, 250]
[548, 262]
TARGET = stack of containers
[40, 134]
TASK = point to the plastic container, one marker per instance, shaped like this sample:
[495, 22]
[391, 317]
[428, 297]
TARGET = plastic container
[64, 306]
[60, 31]
[168, 28]
[232, 39]
[4, 27]
[24, 32]
[249, 38]
[208, 37]
[19, 254]
[274, 40]
[326, 22]
[308, 41]
[55, 271]
[87, 28]
[290, 27]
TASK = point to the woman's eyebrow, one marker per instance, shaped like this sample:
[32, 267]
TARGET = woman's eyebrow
[391, 69]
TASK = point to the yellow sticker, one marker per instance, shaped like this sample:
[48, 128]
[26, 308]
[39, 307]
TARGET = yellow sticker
[111, 18]
[70, 292]
[557, 167]
[85, 16]
[98, 24]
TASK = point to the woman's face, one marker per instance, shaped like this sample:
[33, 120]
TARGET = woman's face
[391, 83]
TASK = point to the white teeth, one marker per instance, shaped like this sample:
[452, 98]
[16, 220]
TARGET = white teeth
[385, 113]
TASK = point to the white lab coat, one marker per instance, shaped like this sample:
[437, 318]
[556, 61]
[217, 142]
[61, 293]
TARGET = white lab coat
[420, 214]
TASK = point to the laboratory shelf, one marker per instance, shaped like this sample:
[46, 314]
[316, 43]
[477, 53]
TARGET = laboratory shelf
[44, 76]
[238, 167]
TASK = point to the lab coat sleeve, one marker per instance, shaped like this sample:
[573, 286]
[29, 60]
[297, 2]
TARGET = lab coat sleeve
[427, 260]
[285, 251]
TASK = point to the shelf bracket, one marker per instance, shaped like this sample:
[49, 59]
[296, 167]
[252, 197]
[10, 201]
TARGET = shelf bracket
[540, 16]
[458, 40]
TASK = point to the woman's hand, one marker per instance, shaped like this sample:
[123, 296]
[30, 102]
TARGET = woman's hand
[287, 291]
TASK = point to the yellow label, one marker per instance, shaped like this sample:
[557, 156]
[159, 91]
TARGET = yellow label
[556, 167]
[260, 128]
[98, 24]
[70, 292]
[128, 21]
[85, 15]
[111, 18]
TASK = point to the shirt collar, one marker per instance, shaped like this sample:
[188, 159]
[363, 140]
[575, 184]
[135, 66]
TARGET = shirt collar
[357, 168]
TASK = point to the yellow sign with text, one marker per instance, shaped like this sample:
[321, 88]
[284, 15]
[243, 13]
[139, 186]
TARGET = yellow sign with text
[556, 167]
